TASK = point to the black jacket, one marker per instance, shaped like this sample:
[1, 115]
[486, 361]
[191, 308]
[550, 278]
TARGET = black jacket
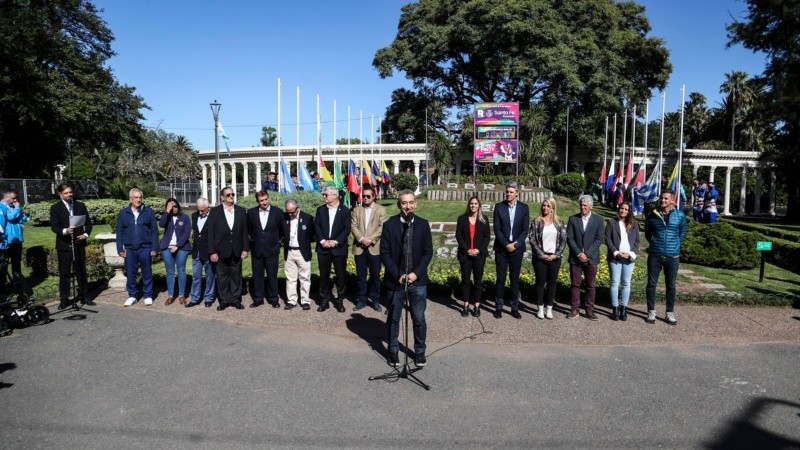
[392, 252]
[59, 219]
[265, 242]
[305, 235]
[481, 237]
[222, 240]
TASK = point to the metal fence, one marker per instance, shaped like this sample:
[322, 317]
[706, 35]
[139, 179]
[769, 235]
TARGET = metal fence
[35, 190]
[186, 192]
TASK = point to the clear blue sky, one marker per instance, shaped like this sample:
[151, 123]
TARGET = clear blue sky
[181, 55]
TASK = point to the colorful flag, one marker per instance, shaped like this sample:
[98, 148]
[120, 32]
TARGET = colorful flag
[640, 175]
[221, 133]
[648, 192]
[306, 181]
[366, 174]
[602, 179]
[610, 179]
[387, 177]
[324, 174]
[352, 180]
[674, 184]
[376, 172]
[338, 180]
[628, 171]
[285, 184]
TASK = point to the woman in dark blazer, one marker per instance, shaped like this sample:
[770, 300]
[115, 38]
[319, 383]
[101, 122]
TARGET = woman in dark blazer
[622, 240]
[175, 248]
[472, 234]
[548, 237]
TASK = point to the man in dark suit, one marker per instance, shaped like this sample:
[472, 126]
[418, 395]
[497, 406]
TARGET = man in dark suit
[200, 259]
[406, 251]
[585, 233]
[228, 245]
[265, 227]
[69, 238]
[331, 229]
[511, 223]
[298, 234]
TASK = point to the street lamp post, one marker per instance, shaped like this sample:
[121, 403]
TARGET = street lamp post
[215, 106]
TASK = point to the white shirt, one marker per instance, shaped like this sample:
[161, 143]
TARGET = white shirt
[263, 215]
[229, 216]
[549, 238]
[174, 240]
[367, 215]
[201, 222]
[293, 224]
[585, 220]
[331, 216]
[512, 211]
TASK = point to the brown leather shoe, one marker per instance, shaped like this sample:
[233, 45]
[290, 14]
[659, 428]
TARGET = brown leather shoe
[182, 300]
[573, 314]
[169, 301]
[590, 314]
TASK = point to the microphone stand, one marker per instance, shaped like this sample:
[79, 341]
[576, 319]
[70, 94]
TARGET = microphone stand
[405, 371]
[76, 306]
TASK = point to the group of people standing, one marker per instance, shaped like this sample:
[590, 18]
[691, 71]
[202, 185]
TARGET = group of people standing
[583, 234]
[704, 201]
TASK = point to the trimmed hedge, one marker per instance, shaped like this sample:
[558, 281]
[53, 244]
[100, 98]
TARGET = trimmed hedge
[39, 213]
[404, 180]
[785, 247]
[43, 261]
[568, 184]
[720, 245]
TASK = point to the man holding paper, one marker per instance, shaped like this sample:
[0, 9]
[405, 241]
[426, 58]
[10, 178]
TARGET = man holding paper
[69, 220]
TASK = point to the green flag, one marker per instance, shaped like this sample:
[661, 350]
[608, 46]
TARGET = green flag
[338, 181]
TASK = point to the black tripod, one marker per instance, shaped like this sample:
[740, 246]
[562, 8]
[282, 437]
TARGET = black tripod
[405, 371]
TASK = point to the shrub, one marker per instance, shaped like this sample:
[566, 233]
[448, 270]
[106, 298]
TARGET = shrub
[99, 210]
[404, 180]
[720, 245]
[36, 258]
[307, 200]
[568, 184]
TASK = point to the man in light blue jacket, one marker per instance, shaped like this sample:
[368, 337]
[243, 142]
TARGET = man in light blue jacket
[12, 237]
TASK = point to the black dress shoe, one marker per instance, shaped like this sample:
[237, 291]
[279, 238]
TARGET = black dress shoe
[88, 302]
[515, 314]
[64, 304]
[238, 306]
[191, 304]
[465, 311]
[477, 311]
[208, 304]
[275, 304]
[498, 314]
[256, 304]
[323, 307]
[623, 313]
[289, 306]
[221, 307]
[306, 306]
[339, 307]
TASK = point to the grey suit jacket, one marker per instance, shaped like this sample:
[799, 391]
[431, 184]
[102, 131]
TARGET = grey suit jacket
[588, 241]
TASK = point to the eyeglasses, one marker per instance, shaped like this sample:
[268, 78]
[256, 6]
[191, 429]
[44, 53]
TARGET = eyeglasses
[367, 196]
[230, 195]
[291, 213]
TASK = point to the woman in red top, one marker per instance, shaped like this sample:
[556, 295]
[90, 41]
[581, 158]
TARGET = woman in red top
[472, 234]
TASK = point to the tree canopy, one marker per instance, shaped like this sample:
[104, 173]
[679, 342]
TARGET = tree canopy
[56, 94]
[587, 54]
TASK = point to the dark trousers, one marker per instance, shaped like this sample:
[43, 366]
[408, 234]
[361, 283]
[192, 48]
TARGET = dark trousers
[14, 253]
[654, 266]
[270, 264]
[229, 280]
[368, 264]
[417, 303]
[589, 272]
[472, 266]
[65, 267]
[546, 274]
[508, 263]
[325, 260]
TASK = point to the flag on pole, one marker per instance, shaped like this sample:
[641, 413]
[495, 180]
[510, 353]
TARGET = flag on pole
[338, 180]
[628, 171]
[376, 172]
[352, 180]
[306, 181]
[647, 192]
[285, 184]
[674, 184]
[640, 175]
[366, 174]
[387, 177]
[221, 133]
[610, 179]
[324, 174]
[602, 179]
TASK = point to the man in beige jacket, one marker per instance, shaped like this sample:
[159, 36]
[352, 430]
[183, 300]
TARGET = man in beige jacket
[366, 227]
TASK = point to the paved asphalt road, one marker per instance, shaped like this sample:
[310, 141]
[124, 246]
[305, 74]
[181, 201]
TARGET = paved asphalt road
[133, 377]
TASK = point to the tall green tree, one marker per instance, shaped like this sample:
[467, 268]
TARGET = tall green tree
[537, 149]
[589, 54]
[57, 95]
[738, 100]
[269, 136]
[773, 27]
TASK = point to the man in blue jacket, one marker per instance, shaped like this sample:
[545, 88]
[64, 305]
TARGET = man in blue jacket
[137, 242]
[11, 242]
[665, 228]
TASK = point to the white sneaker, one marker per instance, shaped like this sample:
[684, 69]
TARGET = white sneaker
[549, 312]
[130, 301]
[540, 312]
[148, 301]
[651, 316]
[671, 318]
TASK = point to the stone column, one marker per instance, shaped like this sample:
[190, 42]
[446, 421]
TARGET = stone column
[245, 181]
[212, 198]
[711, 174]
[258, 175]
[727, 210]
[773, 180]
[694, 171]
[396, 164]
[416, 168]
[757, 193]
[743, 192]
[233, 176]
[222, 176]
[204, 186]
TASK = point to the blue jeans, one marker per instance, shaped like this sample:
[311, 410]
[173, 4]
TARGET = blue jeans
[134, 259]
[654, 267]
[198, 265]
[170, 261]
[417, 300]
[368, 265]
[621, 272]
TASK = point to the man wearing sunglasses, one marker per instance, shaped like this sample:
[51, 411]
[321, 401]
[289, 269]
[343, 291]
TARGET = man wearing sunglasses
[366, 228]
[228, 245]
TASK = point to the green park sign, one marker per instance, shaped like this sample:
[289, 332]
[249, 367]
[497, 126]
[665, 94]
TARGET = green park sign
[763, 246]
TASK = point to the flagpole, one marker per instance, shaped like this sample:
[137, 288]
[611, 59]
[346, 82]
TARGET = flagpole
[605, 157]
[614, 142]
[633, 140]
[319, 137]
[372, 144]
[334, 130]
[646, 125]
[348, 137]
[297, 128]
[680, 150]
[624, 138]
[661, 146]
[360, 177]
[279, 122]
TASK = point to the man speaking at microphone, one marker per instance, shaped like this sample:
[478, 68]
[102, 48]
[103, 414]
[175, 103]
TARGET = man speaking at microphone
[406, 251]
